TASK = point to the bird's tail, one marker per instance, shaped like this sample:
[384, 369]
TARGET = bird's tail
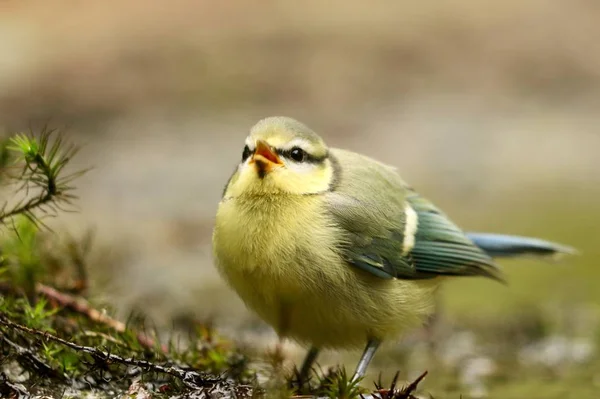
[504, 246]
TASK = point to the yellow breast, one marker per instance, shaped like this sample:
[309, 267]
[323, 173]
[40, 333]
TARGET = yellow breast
[279, 255]
[258, 233]
[273, 249]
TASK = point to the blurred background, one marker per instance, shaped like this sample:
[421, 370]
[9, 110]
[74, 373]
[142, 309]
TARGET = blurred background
[490, 109]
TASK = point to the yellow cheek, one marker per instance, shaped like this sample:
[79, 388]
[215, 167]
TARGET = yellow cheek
[280, 180]
[315, 181]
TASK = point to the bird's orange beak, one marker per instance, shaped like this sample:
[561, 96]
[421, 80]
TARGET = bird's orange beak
[265, 152]
[265, 158]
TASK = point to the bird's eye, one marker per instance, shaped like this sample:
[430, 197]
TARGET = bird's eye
[297, 154]
[246, 153]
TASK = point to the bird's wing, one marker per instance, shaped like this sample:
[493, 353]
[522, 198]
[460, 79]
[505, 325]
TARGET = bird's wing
[441, 248]
[392, 232]
[370, 241]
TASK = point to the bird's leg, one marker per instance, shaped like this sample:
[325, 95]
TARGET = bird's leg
[310, 358]
[365, 359]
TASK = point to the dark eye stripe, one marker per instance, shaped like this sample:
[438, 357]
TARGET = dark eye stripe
[308, 158]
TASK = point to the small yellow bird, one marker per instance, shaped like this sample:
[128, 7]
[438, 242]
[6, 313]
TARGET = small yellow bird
[333, 249]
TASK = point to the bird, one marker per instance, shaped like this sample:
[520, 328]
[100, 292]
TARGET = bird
[334, 250]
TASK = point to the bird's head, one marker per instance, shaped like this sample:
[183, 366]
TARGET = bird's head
[282, 156]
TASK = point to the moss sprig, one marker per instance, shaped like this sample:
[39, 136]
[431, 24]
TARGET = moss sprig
[42, 160]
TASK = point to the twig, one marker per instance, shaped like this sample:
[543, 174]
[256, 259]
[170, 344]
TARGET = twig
[80, 305]
[10, 389]
[392, 393]
[191, 379]
[29, 357]
[83, 307]
[407, 391]
[106, 337]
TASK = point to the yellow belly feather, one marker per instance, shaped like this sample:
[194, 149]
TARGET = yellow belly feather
[294, 279]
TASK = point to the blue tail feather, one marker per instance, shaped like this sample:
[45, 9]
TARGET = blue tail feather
[502, 246]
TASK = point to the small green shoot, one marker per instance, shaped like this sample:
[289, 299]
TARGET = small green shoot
[41, 161]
